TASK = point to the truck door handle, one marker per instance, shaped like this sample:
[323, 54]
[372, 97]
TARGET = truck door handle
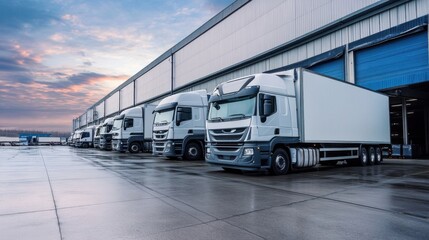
[277, 131]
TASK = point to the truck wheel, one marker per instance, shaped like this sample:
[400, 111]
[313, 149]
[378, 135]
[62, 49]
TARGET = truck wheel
[378, 155]
[371, 156]
[363, 158]
[193, 151]
[280, 162]
[134, 147]
[85, 145]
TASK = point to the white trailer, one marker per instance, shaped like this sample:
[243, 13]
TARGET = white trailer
[49, 141]
[132, 130]
[179, 125]
[9, 141]
[294, 119]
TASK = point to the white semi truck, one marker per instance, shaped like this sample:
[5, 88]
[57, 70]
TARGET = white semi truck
[85, 138]
[294, 119]
[132, 130]
[179, 125]
[105, 135]
[97, 136]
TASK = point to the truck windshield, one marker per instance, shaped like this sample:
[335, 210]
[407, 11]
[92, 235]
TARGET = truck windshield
[117, 124]
[228, 110]
[164, 117]
[106, 129]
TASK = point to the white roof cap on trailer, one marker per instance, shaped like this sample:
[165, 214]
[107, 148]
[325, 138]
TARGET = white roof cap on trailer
[194, 98]
[133, 112]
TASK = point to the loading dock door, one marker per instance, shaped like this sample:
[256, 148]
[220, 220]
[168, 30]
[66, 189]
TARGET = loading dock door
[395, 63]
[333, 68]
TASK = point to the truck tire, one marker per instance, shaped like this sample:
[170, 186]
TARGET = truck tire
[280, 162]
[363, 157]
[378, 155]
[85, 145]
[193, 151]
[135, 147]
[371, 156]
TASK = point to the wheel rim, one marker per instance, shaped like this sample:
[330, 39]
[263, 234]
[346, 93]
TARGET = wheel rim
[378, 155]
[280, 162]
[372, 156]
[134, 148]
[364, 157]
[192, 151]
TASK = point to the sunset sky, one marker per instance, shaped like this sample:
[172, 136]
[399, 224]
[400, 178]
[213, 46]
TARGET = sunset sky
[58, 57]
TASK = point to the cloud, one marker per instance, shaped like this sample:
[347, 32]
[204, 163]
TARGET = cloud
[59, 57]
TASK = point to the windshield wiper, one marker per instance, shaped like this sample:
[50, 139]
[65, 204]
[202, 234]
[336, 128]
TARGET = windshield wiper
[237, 115]
[218, 119]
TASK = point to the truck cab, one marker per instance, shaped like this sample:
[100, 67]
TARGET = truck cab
[85, 138]
[132, 130]
[105, 135]
[179, 125]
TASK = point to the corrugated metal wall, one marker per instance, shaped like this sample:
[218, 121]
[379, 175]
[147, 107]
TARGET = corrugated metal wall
[127, 96]
[257, 27]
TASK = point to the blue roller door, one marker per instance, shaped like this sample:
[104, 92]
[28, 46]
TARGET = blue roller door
[399, 62]
[333, 68]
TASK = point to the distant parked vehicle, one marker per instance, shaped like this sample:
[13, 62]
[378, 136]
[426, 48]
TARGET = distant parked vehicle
[106, 135]
[97, 136]
[132, 130]
[85, 138]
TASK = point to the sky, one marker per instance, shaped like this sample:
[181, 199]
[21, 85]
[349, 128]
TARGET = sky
[58, 57]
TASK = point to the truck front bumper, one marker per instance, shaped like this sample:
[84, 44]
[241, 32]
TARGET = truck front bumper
[120, 145]
[105, 144]
[167, 148]
[246, 156]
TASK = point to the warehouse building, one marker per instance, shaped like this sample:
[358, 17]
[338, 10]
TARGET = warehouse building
[380, 45]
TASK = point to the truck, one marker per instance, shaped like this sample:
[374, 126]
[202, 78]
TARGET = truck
[179, 126]
[85, 137]
[132, 129]
[105, 135]
[294, 119]
[97, 136]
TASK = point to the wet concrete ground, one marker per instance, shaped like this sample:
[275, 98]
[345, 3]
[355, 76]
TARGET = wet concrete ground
[65, 193]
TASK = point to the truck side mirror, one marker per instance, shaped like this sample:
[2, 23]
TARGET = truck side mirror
[267, 105]
[179, 118]
[126, 124]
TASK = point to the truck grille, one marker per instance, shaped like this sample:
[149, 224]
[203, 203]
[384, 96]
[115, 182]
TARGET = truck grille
[228, 135]
[160, 135]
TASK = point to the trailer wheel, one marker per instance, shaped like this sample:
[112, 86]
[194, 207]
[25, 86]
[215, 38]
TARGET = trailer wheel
[135, 147]
[363, 158]
[378, 156]
[280, 162]
[193, 151]
[371, 156]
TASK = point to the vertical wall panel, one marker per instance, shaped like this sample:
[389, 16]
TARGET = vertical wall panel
[100, 110]
[155, 82]
[90, 116]
[112, 104]
[127, 96]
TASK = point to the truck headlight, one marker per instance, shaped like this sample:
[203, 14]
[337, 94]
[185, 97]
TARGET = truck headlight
[248, 152]
[208, 150]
